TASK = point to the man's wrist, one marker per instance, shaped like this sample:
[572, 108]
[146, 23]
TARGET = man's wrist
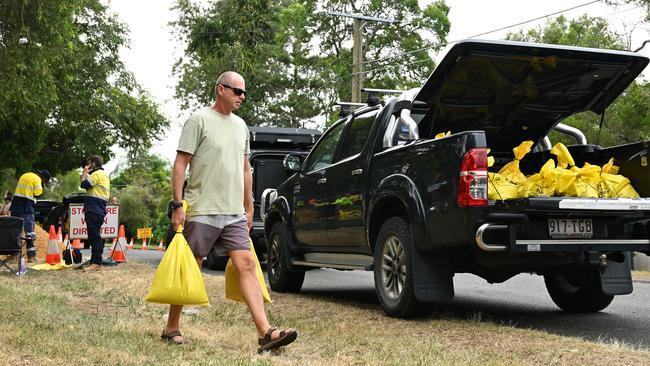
[176, 204]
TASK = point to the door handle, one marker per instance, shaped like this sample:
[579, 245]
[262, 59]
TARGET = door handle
[357, 171]
[322, 180]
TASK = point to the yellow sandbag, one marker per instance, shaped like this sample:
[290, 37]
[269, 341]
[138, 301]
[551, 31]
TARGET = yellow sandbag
[49, 267]
[499, 188]
[178, 279]
[442, 134]
[542, 183]
[232, 280]
[564, 158]
[565, 178]
[613, 185]
[511, 170]
[586, 182]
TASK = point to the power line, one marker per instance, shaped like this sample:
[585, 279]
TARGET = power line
[474, 36]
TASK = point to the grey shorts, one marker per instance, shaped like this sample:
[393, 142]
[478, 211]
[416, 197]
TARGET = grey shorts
[204, 232]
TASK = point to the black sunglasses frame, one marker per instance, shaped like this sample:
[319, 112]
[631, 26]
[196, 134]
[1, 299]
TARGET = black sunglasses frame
[237, 91]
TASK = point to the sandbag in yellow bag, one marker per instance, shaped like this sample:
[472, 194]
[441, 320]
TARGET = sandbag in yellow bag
[586, 182]
[232, 280]
[511, 170]
[178, 279]
[499, 188]
[542, 183]
[564, 176]
[613, 185]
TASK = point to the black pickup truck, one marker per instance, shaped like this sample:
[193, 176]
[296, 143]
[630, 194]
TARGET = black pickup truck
[378, 192]
[269, 146]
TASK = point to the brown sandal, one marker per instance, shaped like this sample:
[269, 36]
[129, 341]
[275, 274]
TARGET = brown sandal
[169, 337]
[285, 338]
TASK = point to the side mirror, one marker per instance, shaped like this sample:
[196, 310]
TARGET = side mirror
[292, 162]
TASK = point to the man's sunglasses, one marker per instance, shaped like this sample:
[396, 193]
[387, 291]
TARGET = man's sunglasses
[237, 91]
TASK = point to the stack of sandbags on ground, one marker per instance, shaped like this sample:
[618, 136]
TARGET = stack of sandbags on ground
[509, 182]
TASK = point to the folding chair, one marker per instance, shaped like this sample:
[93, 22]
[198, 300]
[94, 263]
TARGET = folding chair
[11, 243]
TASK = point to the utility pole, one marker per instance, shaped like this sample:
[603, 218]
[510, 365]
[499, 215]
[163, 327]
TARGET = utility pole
[357, 49]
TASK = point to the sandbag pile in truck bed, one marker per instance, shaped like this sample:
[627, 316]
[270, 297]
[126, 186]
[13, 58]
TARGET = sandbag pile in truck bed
[563, 179]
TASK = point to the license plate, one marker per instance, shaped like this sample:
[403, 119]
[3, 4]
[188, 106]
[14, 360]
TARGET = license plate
[570, 228]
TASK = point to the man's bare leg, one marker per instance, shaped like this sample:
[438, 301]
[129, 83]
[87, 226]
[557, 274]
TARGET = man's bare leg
[250, 288]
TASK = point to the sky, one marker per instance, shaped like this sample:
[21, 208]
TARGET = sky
[153, 48]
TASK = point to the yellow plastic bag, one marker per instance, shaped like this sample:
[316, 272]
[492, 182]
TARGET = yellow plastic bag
[586, 182]
[613, 185]
[511, 170]
[565, 178]
[232, 280]
[441, 135]
[542, 183]
[178, 279]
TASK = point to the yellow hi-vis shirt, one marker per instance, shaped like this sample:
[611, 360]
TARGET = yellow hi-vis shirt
[100, 185]
[29, 186]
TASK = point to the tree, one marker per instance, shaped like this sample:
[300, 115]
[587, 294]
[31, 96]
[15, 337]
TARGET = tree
[64, 93]
[142, 185]
[627, 119]
[295, 58]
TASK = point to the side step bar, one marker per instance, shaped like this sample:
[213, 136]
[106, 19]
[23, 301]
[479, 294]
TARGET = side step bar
[337, 261]
[491, 247]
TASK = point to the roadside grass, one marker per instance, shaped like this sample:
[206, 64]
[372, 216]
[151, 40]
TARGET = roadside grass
[69, 317]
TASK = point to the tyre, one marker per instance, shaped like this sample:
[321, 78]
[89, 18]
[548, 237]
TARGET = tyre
[393, 270]
[577, 291]
[281, 278]
[216, 262]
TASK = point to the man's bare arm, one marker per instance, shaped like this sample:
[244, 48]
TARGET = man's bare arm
[178, 178]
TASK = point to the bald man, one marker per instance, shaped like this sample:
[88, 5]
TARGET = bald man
[215, 144]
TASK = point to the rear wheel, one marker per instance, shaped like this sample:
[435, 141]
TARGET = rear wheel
[281, 278]
[394, 271]
[577, 291]
[216, 262]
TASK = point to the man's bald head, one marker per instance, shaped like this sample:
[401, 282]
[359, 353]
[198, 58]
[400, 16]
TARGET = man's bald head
[229, 77]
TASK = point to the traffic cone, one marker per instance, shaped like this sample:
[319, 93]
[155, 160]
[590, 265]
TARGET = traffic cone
[59, 236]
[76, 244]
[110, 252]
[131, 243]
[144, 244]
[118, 250]
[160, 246]
[53, 256]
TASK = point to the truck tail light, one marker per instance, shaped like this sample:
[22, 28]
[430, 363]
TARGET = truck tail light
[473, 181]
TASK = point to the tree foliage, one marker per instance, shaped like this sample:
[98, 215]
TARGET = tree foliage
[627, 119]
[64, 93]
[142, 186]
[297, 59]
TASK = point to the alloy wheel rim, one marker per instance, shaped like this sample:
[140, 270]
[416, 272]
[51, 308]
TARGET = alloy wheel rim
[275, 256]
[393, 268]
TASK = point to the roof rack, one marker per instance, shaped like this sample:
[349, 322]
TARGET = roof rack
[347, 108]
[373, 94]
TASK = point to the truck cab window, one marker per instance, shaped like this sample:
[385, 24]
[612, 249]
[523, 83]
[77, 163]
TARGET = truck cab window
[357, 134]
[323, 154]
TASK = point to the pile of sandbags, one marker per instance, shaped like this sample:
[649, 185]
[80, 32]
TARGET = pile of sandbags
[563, 179]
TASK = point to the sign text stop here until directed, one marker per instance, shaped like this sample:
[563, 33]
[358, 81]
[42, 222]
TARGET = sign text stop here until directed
[78, 228]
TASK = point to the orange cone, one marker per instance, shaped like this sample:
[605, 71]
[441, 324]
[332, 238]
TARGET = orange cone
[110, 252]
[144, 244]
[53, 256]
[76, 244]
[59, 236]
[131, 243]
[160, 246]
[118, 249]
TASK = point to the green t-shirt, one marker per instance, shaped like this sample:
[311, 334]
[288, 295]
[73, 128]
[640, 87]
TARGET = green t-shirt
[218, 144]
